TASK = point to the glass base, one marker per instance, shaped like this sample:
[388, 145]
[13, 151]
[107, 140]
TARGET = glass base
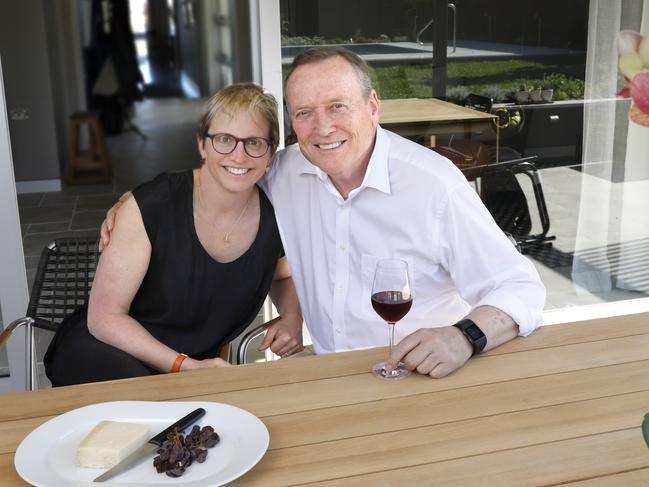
[399, 373]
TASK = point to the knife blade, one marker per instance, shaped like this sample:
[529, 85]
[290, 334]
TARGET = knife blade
[150, 446]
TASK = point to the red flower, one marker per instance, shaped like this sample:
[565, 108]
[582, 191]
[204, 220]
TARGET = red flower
[640, 91]
[633, 61]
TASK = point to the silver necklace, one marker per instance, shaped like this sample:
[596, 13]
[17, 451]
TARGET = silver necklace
[226, 235]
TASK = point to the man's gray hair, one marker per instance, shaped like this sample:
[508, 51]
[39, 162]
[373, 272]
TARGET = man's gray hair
[317, 54]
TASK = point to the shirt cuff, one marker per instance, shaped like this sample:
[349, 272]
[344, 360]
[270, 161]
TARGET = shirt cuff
[527, 317]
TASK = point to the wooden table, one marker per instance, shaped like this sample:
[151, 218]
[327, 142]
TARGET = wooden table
[561, 407]
[432, 117]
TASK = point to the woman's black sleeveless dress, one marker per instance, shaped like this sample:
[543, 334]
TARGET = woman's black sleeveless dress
[187, 300]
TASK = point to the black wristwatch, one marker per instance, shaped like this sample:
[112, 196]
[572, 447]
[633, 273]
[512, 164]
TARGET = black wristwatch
[474, 334]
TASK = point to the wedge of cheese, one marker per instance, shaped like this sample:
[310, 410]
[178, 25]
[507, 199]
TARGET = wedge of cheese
[109, 442]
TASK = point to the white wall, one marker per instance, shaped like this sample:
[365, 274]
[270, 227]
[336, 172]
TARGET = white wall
[28, 85]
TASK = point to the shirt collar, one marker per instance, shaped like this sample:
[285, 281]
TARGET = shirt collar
[377, 175]
[308, 168]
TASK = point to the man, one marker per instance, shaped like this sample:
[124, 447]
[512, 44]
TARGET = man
[350, 193]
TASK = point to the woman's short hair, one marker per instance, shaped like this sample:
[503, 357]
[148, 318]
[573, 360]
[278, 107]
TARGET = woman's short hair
[317, 54]
[248, 97]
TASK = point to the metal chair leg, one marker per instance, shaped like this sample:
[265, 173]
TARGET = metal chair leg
[29, 346]
[530, 171]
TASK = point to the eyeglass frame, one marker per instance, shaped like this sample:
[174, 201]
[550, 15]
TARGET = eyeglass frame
[237, 140]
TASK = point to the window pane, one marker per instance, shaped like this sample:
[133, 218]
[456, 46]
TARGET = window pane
[549, 72]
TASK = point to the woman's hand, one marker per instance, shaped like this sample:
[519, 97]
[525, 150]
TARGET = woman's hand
[285, 336]
[108, 224]
[208, 363]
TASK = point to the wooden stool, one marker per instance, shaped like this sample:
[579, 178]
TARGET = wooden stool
[91, 164]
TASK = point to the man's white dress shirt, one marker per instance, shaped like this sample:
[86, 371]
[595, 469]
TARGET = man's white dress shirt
[415, 205]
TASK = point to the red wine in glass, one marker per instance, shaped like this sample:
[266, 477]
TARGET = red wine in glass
[391, 305]
[391, 299]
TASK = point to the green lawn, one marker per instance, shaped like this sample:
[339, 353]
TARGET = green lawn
[496, 78]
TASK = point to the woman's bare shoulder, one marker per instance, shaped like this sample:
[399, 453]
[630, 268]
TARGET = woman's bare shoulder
[129, 226]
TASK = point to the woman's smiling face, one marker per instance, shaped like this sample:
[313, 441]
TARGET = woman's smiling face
[237, 171]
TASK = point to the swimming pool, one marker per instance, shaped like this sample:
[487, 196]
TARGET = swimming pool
[389, 53]
[360, 49]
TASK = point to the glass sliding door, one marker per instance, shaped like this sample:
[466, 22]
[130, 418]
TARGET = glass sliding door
[549, 73]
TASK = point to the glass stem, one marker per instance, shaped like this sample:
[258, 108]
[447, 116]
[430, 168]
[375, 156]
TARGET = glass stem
[391, 327]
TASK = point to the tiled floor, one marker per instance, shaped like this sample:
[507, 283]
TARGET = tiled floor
[169, 126]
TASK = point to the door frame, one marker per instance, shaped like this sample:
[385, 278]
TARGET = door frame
[14, 295]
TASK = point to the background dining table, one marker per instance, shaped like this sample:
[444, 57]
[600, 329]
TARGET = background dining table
[431, 117]
[563, 406]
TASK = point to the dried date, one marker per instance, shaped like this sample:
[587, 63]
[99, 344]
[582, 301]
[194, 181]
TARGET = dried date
[178, 452]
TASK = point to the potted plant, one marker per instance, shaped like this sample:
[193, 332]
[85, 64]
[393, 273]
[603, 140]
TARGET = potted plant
[535, 95]
[547, 91]
[522, 95]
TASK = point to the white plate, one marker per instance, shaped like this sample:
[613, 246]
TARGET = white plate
[47, 456]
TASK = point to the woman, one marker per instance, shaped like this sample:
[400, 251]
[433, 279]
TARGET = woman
[191, 259]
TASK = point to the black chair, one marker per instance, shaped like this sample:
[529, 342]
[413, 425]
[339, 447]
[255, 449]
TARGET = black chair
[499, 189]
[478, 102]
[506, 201]
[62, 283]
[497, 172]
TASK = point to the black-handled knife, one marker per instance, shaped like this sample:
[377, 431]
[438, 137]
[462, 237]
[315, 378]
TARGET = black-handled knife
[151, 445]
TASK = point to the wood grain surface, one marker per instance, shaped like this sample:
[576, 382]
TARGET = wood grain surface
[560, 407]
[411, 110]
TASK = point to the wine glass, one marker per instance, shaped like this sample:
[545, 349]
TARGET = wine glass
[391, 299]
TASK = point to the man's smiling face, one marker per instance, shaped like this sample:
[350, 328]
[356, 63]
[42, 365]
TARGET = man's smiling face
[334, 124]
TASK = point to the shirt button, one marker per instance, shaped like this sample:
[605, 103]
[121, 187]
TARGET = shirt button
[337, 330]
[343, 248]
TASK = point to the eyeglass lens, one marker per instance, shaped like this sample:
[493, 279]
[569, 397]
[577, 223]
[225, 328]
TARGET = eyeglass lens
[226, 144]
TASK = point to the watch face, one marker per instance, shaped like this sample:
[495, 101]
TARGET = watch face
[474, 332]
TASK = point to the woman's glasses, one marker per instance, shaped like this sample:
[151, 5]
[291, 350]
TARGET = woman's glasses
[226, 143]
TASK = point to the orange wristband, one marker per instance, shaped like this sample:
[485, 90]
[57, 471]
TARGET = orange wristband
[178, 362]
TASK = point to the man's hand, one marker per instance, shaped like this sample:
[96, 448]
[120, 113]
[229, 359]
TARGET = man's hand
[109, 223]
[433, 351]
[284, 337]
